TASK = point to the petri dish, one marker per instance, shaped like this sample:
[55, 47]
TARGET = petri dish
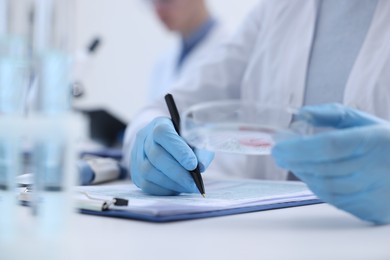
[235, 126]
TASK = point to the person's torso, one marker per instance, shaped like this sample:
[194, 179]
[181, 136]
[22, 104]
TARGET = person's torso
[278, 68]
[337, 41]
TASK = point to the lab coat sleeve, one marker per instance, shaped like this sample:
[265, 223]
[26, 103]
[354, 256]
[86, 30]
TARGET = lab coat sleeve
[214, 78]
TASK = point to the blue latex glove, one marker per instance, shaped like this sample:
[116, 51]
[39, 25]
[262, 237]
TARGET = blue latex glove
[349, 167]
[161, 159]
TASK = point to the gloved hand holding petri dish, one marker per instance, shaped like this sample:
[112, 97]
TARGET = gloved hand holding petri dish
[236, 126]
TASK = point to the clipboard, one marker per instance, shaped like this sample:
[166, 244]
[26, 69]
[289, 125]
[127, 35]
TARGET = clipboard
[272, 195]
[191, 216]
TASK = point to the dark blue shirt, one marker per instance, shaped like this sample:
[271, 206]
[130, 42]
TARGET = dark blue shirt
[191, 42]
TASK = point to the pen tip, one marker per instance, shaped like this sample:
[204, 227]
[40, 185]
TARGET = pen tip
[203, 195]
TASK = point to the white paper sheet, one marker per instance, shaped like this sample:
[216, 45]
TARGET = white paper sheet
[221, 194]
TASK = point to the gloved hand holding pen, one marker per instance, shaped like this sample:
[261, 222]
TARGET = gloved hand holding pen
[161, 160]
[349, 167]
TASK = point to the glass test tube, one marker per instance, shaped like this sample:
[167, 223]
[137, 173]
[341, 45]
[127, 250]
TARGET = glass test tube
[14, 79]
[53, 154]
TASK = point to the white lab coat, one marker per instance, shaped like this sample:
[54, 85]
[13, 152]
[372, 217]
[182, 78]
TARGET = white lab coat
[164, 73]
[267, 62]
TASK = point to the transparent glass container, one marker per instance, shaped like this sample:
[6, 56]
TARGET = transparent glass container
[15, 64]
[234, 126]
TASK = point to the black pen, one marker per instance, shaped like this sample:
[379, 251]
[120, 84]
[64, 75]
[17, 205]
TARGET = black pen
[176, 123]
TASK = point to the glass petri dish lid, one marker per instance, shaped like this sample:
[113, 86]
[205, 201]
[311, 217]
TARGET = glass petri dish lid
[235, 126]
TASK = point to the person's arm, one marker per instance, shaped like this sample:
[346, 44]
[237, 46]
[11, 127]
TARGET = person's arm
[349, 166]
[217, 77]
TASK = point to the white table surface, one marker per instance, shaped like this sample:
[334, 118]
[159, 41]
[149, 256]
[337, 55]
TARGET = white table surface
[309, 232]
